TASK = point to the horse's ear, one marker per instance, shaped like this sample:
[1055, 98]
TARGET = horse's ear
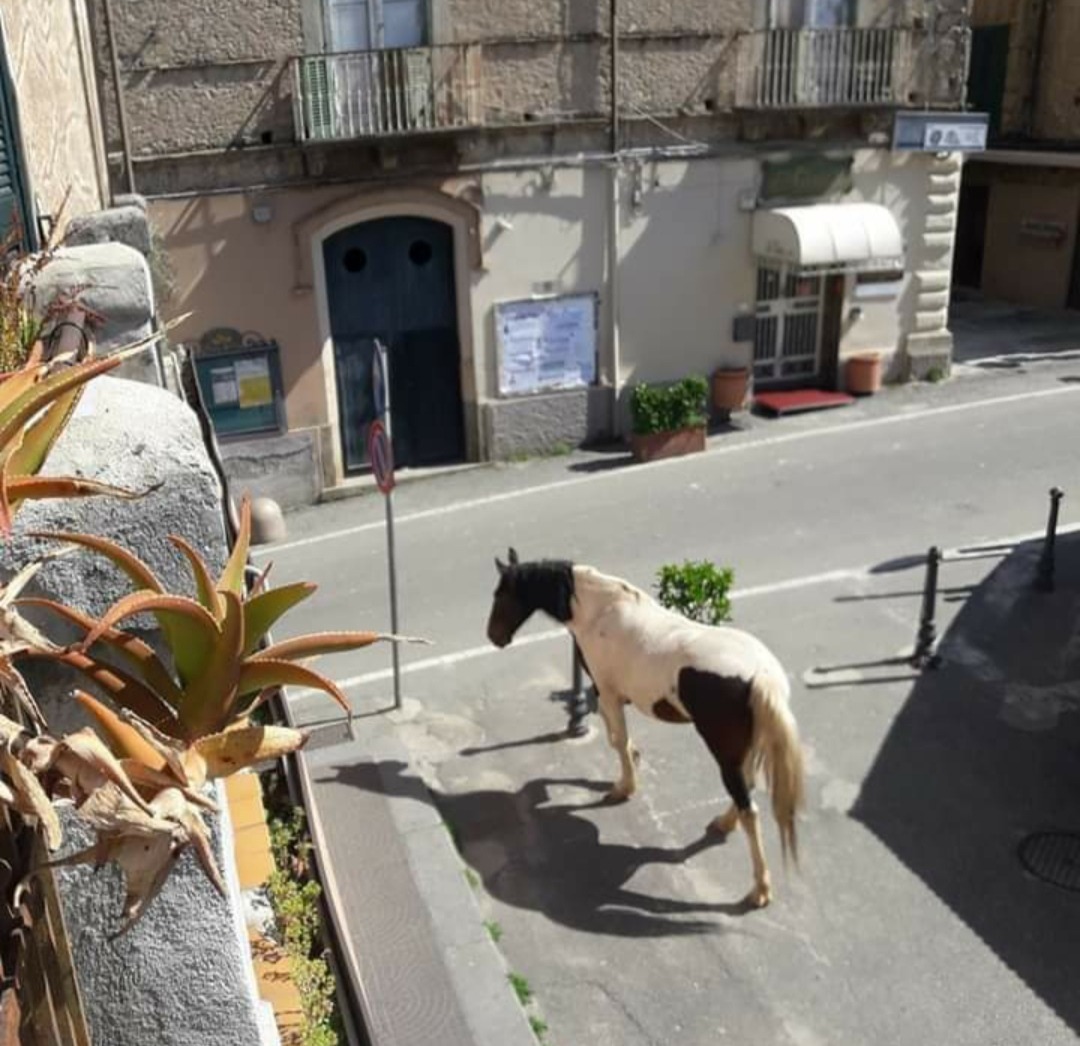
[513, 557]
[500, 566]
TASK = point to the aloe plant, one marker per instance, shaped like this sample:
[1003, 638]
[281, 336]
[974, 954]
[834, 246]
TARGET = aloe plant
[36, 403]
[174, 723]
[218, 673]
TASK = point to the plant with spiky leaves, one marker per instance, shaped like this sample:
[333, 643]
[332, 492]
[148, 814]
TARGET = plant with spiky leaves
[36, 403]
[176, 723]
[219, 673]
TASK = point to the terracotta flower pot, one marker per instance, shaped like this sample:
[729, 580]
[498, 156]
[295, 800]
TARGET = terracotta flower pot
[863, 374]
[729, 389]
[672, 444]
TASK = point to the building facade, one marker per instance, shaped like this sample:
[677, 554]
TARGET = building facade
[1020, 203]
[453, 178]
[51, 143]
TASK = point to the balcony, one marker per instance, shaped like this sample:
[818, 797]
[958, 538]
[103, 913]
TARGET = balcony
[365, 94]
[825, 68]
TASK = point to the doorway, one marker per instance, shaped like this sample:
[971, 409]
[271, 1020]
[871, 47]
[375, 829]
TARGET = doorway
[393, 279]
[787, 331]
[971, 235]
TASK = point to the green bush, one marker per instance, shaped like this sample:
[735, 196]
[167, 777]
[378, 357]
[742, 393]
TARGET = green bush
[697, 590]
[295, 900]
[664, 408]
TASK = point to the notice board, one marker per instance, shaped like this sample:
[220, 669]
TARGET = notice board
[546, 343]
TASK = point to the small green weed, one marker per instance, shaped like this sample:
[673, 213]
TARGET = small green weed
[494, 930]
[539, 1027]
[521, 987]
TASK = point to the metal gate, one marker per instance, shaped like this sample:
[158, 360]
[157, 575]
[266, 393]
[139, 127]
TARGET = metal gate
[787, 334]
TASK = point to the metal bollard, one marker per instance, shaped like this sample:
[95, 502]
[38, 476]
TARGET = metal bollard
[1044, 575]
[579, 700]
[924, 655]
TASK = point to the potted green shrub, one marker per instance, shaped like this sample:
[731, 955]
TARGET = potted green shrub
[669, 420]
[697, 590]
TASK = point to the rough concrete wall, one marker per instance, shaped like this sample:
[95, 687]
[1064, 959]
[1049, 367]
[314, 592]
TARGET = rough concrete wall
[555, 246]
[1020, 266]
[176, 978]
[1021, 16]
[685, 268]
[942, 46]
[546, 424]
[180, 976]
[1058, 116]
[198, 74]
[285, 468]
[47, 45]
[232, 272]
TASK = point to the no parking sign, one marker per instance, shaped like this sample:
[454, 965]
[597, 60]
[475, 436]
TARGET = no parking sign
[381, 456]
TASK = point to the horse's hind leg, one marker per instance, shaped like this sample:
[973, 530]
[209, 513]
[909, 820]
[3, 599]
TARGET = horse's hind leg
[747, 815]
[720, 708]
[614, 715]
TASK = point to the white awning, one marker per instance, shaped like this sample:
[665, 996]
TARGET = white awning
[830, 237]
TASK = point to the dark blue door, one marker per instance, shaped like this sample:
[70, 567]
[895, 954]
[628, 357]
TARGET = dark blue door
[393, 279]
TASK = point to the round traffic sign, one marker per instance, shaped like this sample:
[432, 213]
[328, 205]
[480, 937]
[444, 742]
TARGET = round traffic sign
[381, 456]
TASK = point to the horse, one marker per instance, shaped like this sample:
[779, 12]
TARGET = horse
[724, 681]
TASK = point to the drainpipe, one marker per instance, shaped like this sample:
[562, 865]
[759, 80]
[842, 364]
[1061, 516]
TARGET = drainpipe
[121, 110]
[613, 225]
[1036, 71]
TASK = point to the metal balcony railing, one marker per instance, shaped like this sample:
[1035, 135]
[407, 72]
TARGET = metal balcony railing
[364, 94]
[821, 68]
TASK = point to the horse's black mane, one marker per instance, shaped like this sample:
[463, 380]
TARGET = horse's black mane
[548, 585]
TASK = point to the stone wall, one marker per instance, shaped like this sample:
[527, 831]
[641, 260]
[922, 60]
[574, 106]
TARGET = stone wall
[48, 46]
[181, 975]
[200, 76]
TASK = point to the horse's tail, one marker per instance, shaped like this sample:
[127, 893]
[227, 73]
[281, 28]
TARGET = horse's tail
[777, 749]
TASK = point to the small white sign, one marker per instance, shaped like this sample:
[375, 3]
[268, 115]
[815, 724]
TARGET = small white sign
[948, 136]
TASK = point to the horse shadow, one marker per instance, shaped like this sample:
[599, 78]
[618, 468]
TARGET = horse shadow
[547, 857]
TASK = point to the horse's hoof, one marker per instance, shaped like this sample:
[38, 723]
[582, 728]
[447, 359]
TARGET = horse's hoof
[721, 826]
[758, 897]
[619, 794]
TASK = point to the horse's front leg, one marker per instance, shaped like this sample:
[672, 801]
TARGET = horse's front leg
[614, 714]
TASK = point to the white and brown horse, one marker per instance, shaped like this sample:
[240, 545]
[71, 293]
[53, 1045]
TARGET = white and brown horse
[724, 681]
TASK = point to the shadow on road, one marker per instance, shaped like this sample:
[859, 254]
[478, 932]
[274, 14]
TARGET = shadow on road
[985, 751]
[548, 857]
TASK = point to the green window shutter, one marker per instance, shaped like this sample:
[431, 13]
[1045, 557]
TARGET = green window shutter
[13, 195]
[315, 80]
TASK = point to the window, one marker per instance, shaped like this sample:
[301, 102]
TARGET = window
[368, 25]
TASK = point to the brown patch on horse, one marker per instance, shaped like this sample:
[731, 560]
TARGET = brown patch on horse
[720, 709]
[666, 712]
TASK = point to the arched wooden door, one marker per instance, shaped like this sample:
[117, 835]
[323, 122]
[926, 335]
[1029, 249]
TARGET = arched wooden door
[393, 279]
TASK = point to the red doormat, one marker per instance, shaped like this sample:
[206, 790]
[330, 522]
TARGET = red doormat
[795, 401]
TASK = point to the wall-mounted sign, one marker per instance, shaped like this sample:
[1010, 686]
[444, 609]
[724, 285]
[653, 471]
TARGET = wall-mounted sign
[241, 385]
[546, 343]
[1040, 229]
[940, 132]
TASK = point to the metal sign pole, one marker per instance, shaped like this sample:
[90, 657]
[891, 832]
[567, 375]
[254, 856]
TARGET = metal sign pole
[382, 382]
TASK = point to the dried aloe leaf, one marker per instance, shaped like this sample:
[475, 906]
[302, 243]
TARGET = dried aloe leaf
[30, 798]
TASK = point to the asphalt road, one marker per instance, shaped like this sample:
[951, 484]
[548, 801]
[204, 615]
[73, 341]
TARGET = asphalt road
[625, 925]
[943, 465]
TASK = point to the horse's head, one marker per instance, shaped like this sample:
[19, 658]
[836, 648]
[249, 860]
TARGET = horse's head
[509, 610]
[523, 589]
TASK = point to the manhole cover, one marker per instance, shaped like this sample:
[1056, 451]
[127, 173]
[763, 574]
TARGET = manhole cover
[1054, 857]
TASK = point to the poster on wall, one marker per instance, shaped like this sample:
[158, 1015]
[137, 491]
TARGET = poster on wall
[223, 386]
[253, 378]
[546, 343]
